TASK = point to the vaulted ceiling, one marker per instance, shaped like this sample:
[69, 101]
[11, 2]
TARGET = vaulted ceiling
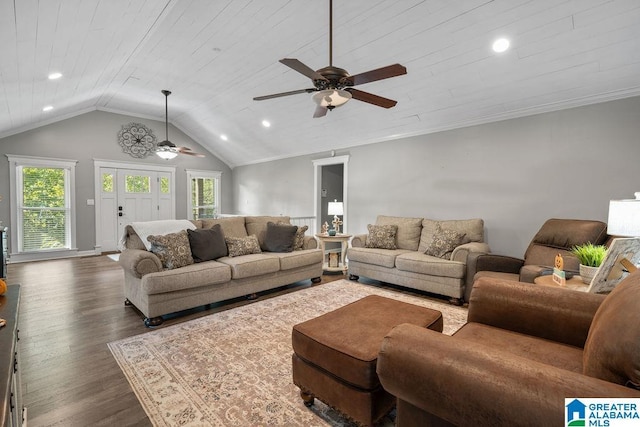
[216, 55]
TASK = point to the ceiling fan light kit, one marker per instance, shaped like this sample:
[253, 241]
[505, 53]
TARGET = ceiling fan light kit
[333, 86]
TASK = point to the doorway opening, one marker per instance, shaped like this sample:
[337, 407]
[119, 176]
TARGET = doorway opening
[330, 183]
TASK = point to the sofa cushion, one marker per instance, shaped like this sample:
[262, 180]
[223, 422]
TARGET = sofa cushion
[443, 242]
[296, 259]
[231, 226]
[409, 229]
[251, 265]
[381, 236]
[207, 244]
[417, 262]
[191, 276]
[473, 229]
[258, 225]
[173, 249]
[612, 349]
[280, 237]
[239, 246]
[381, 257]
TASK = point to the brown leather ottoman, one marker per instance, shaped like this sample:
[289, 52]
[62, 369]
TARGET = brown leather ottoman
[335, 355]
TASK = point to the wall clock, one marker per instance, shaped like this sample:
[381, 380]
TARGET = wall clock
[137, 140]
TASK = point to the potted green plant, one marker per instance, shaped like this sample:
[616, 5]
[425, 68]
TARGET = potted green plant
[590, 257]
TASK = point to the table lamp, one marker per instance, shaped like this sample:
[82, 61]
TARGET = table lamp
[624, 221]
[335, 208]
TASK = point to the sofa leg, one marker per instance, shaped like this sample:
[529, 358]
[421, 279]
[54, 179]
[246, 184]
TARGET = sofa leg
[316, 280]
[307, 398]
[151, 322]
[127, 303]
[455, 301]
[253, 296]
[353, 277]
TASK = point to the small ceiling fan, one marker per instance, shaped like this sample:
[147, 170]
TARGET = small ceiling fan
[166, 149]
[333, 85]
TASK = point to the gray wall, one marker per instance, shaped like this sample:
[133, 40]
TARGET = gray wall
[94, 136]
[514, 174]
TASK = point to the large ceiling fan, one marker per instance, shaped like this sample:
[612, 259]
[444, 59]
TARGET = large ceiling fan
[334, 86]
[167, 149]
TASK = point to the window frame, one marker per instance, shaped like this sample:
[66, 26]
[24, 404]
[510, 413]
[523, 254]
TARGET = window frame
[195, 174]
[16, 165]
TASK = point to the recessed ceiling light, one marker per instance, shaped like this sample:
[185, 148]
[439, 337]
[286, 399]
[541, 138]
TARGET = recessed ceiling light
[54, 76]
[224, 137]
[266, 123]
[47, 108]
[500, 45]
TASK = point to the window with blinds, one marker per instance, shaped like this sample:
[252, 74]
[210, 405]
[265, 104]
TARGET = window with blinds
[44, 208]
[204, 192]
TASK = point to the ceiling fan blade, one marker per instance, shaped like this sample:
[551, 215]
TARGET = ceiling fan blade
[371, 98]
[320, 111]
[278, 95]
[187, 150]
[302, 69]
[378, 74]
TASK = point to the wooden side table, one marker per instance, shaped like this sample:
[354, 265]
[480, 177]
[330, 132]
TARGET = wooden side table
[575, 283]
[343, 239]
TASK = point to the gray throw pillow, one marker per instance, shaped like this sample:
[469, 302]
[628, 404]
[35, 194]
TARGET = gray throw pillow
[207, 244]
[173, 249]
[280, 237]
[443, 243]
[238, 246]
[381, 236]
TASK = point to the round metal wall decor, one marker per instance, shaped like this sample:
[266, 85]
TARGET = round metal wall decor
[137, 140]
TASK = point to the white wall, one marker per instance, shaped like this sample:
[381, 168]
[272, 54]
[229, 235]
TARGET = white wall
[94, 136]
[514, 174]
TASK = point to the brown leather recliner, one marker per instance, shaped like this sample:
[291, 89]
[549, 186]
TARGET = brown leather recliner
[523, 350]
[556, 236]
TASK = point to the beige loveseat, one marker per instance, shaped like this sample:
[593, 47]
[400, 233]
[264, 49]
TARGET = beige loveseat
[156, 290]
[408, 265]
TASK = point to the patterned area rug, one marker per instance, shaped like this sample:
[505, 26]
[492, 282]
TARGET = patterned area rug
[233, 368]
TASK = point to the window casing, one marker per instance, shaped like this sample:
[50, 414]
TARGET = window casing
[203, 194]
[43, 195]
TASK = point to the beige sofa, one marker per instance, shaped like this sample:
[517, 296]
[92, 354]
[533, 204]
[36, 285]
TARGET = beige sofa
[409, 266]
[156, 291]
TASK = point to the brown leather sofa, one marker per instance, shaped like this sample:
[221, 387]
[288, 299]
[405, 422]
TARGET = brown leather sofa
[523, 350]
[556, 236]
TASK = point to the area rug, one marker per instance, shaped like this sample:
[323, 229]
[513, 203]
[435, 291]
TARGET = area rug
[233, 368]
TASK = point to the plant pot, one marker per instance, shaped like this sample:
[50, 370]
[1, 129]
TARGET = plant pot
[587, 273]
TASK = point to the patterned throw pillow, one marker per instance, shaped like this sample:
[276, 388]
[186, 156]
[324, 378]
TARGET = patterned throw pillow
[298, 242]
[381, 236]
[243, 245]
[443, 243]
[173, 249]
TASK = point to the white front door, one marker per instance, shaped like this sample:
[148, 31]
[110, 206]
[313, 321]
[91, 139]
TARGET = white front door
[130, 195]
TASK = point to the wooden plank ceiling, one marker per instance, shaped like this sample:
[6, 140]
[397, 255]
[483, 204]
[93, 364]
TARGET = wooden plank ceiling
[215, 56]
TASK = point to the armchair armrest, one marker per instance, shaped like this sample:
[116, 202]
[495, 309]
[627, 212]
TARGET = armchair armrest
[500, 263]
[358, 240]
[468, 383]
[546, 312]
[139, 262]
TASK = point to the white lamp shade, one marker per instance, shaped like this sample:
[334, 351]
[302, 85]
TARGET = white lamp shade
[624, 218]
[166, 153]
[335, 208]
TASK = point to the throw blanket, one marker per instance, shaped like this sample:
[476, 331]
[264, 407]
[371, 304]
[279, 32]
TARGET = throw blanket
[155, 228]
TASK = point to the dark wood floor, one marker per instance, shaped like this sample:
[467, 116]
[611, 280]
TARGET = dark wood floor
[70, 309]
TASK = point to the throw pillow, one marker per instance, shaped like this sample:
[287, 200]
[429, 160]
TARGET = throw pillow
[173, 249]
[443, 243]
[242, 245]
[207, 244]
[381, 236]
[280, 237]
[298, 242]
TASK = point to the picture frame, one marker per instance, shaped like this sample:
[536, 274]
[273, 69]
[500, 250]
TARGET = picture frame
[611, 271]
